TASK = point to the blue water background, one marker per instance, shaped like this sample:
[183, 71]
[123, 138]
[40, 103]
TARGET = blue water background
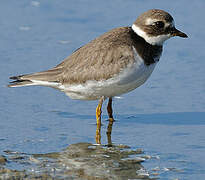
[165, 117]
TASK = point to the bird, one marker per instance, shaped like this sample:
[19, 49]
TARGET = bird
[112, 64]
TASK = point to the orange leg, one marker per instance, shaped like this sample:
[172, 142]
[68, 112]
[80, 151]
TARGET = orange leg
[98, 118]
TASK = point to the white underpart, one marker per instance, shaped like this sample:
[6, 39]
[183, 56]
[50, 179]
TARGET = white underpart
[154, 40]
[127, 80]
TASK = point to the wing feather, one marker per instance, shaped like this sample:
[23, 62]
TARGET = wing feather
[100, 59]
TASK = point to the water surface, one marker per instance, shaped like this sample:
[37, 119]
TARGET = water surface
[164, 117]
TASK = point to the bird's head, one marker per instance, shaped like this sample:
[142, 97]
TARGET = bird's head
[156, 26]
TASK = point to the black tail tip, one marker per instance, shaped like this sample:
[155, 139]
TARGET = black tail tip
[18, 83]
[15, 77]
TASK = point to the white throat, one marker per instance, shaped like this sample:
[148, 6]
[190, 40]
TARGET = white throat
[153, 40]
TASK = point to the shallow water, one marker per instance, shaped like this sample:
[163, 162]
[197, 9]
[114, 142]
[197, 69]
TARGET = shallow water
[164, 117]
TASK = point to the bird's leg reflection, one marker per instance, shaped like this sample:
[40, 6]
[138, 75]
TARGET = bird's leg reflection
[98, 118]
[111, 120]
[109, 132]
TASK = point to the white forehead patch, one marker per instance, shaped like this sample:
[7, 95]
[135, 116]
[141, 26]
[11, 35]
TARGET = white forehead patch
[151, 21]
[153, 40]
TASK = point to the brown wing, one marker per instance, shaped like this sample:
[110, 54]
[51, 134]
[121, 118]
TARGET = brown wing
[100, 59]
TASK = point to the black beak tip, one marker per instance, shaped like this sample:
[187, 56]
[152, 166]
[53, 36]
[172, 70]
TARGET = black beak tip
[176, 32]
[184, 35]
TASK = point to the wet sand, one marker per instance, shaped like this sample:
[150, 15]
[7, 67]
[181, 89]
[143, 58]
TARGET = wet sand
[79, 161]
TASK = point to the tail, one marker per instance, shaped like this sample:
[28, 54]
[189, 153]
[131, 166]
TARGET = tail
[18, 82]
[45, 78]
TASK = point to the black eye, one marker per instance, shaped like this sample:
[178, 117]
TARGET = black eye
[159, 24]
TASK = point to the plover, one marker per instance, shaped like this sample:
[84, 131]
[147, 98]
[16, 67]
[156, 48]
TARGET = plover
[114, 63]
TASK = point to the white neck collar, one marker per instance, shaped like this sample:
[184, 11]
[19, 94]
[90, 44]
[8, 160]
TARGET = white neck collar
[153, 40]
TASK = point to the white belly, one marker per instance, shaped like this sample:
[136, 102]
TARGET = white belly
[127, 80]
